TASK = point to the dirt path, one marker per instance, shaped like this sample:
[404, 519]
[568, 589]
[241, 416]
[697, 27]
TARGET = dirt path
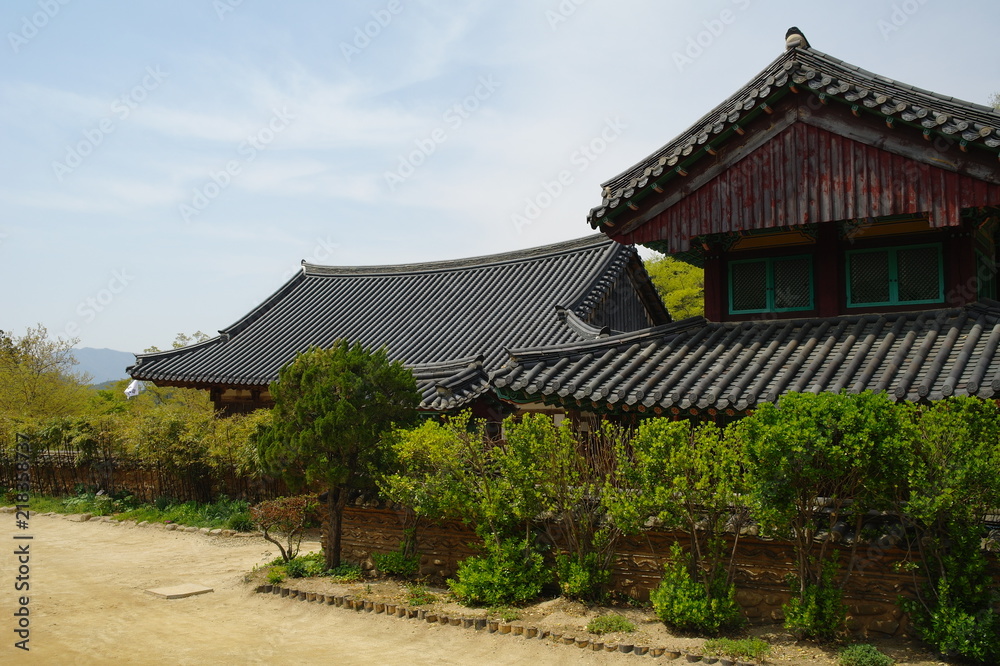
[88, 606]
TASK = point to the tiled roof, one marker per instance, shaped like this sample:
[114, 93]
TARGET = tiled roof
[803, 69]
[695, 365]
[449, 321]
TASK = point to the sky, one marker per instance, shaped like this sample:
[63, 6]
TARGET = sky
[166, 166]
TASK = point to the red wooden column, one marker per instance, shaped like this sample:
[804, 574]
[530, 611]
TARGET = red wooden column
[828, 271]
[715, 292]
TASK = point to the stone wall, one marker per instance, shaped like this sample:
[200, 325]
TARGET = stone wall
[762, 567]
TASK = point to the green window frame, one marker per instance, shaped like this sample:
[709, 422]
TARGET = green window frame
[756, 285]
[887, 289]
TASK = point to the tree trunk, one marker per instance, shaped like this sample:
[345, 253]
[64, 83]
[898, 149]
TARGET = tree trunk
[336, 499]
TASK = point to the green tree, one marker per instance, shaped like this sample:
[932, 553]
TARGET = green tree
[954, 485]
[814, 460]
[681, 285]
[332, 409]
[37, 378]
[690, 478]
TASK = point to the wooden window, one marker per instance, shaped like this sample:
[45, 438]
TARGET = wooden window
[904, 275]
[774, 284]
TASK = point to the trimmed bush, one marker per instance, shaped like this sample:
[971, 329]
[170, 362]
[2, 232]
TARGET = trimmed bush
[510, 573]
[685, 604]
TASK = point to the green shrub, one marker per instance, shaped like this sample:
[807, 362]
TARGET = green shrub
[418, 595]
[608, 624]
[582, 580]
[684, 603]
[510, 573]
[738, 648]
[276, 575]
[955, 627]
[396, 563]
[345, 573]
[863, 654]
[240, 522]
[819, 612]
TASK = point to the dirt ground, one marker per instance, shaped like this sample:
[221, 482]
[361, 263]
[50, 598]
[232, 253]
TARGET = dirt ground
[87, 605]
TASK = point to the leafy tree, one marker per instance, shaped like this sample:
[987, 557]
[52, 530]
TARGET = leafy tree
[681, 285]
[182, 340]
[814, 460]
[689, 477]
[332, 408]
[954, 485]
[37, 378]
[288, 516]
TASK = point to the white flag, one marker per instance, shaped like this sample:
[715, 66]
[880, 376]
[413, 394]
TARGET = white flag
[133, 389]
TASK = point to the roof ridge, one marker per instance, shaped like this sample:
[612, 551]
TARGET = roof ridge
[514, 256]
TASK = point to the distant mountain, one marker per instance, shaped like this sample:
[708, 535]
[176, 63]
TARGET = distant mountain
[103, 365]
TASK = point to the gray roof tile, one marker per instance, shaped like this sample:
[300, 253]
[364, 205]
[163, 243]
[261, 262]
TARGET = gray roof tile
[697, 365]
[449, 321]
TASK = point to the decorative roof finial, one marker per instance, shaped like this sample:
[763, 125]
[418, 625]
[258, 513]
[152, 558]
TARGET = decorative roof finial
[795, 39]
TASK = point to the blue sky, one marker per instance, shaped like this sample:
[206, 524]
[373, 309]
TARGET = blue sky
[167, 165]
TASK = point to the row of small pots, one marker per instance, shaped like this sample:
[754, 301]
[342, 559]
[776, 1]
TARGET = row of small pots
[492, 626]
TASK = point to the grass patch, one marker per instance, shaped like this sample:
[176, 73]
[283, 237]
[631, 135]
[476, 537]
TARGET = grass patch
[418, 595]
[345, 573]
[863, 654]
[739, 648]
[223, 513]
[609, 624]
[505, 613]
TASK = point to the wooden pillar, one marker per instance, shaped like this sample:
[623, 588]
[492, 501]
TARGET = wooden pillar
[828, 271]
[715, 285]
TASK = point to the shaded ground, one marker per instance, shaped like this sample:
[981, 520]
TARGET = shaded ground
[88, 606]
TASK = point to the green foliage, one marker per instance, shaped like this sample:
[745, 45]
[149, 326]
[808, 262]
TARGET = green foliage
[305, 566]
[240, 522]
[37, 380]
[818, 611]
[586, 579]
[814, 460]
[690, 477]
[449, 468]
[419, 595]
[345, 573]
[288, 516]
[332, 409]
[955, 482]
[397, 563]
[863, 654]
[738, 648]
[687, 604]
[609, 624]
[505, 613]
[276, 575]
[681, 286]
[510, 572]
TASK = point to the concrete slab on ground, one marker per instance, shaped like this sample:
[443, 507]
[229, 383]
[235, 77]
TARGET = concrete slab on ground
[179, 591]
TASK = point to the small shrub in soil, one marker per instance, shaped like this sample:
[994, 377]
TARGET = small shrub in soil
[863, 654]
[608, 624]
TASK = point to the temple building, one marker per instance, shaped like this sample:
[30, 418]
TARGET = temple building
[848, 227]
[449, 321]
